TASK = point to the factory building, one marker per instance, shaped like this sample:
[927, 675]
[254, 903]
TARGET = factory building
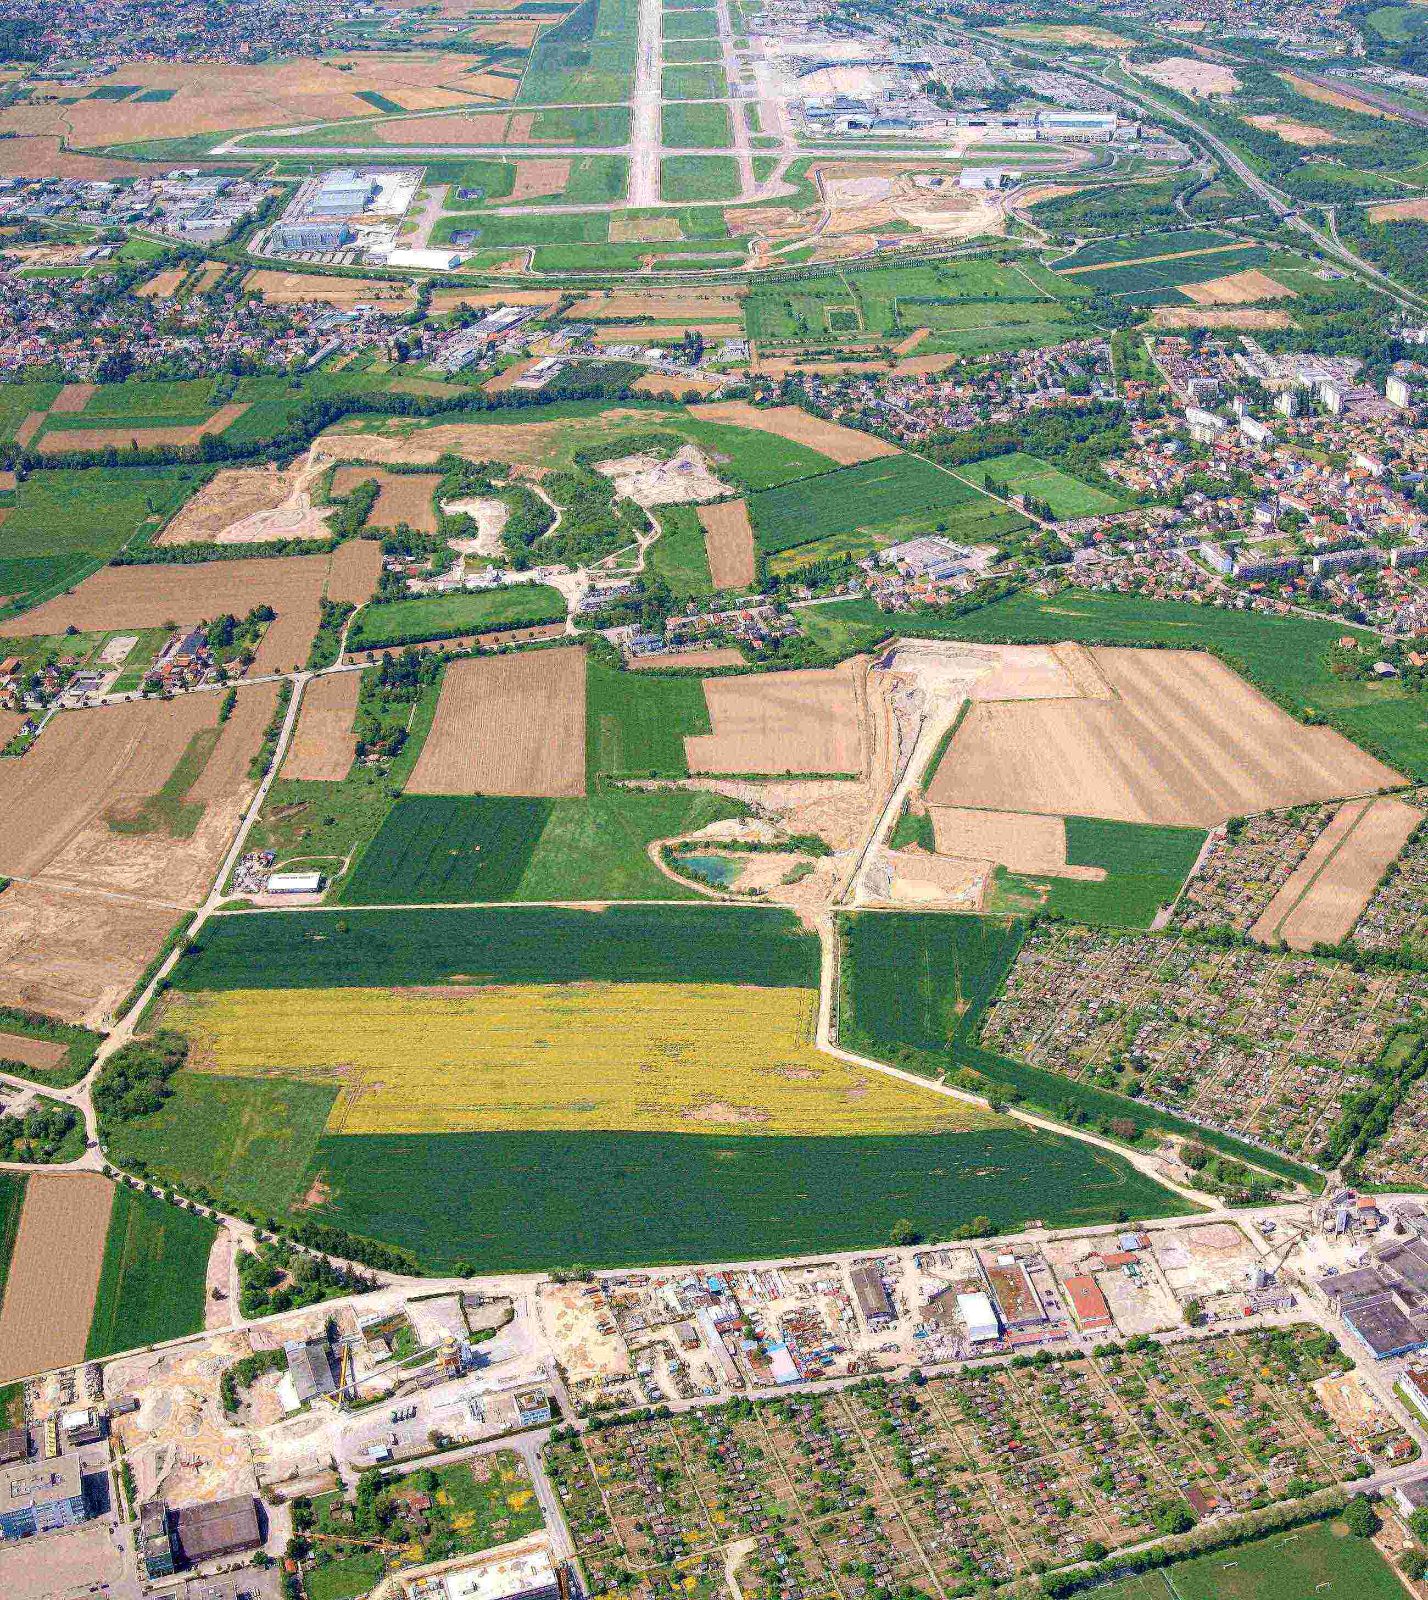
[343, 193]
[222, 1528]
[314, 236]
[39, 1497]
[872, 1296]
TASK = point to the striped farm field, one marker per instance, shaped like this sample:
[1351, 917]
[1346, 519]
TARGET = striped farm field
[631, 1057]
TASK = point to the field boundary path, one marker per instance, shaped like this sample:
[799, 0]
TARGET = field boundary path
[645, 105]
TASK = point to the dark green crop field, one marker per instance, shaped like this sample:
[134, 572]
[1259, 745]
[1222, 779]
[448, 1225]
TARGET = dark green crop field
[1145, 867]
[897, 496]
[12, 1200]
[531, 944]
[151, 1287]
[521, 1202]
[436, 850]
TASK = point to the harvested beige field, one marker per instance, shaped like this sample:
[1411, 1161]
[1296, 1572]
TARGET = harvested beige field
[356, 567]
[246, 505]
[148, 597]
[46, 1054]
[1190, 76]
[1184, 317]
[516, 443]
[221, 96]
[54, 1272]
[672, 388]
[142, 438]
[1011, 839]
[75, 956]
[664, 304]
[1325, 895]
[323, 743]
[1292, 131]
[537, 178]
[476, 127]
[510, 724]
[1400, 211]
[46, 157]
[1335, 97]
[77, 811]
[724, 656]
[729, 544]
[1060, 33]
[164, 285]
[1183, 741]
[784, 722]
[444, 300]
[304, 288]
[401, 496]
[32, 423]
[846, 446]
[1237, 289]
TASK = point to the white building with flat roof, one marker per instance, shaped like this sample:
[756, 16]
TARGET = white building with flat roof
[977, 1312]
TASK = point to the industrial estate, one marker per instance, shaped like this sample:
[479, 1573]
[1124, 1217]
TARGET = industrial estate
[713, 800]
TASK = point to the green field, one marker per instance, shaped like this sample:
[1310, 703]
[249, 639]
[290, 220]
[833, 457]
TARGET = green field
[673, 1197]
[151, 1287]
[879, 501]
[636, 723]
[246, 1140]
[586, 58]
[700, 126]
[679, 556]
[1308, 1563]
[441, 849]
[1021, 474]
[701, 24]
[705, 82]
[1145, 868]
[449, 616]
[1146, 276]
[535, 944]
[677, 51]
[18, 400]
[12, 1200]
[695, 178]
[67, 523]
[1144, 247]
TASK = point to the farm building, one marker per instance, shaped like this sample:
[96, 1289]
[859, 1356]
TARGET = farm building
[872, 1295]
[39, 1497]
[295, 883]
[223, 1528]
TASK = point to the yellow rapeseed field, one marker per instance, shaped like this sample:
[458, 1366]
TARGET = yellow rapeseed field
[680, 1058]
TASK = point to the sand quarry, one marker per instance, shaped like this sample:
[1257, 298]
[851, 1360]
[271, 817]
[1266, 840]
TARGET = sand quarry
[512, 725]
[1191, 76]
[682, 479]
[250, 505]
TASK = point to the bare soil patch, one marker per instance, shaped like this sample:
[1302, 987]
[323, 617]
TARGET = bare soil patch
[123, 438]
[1010, 838]
[784, 722]
[508, 725]
[490, 516]
[1238, 288]
[75, 956]
[1292, 131]
[43, 1053]
[1239, 317]
[516, 443]
[683, 479]
[729, 544]
[673, 388]
[535, 179]
[148, 597]
[54, 1272]
[163, 285]
[302, 288]
[73, 398]
[1191, 76]
[846, 446]
[1400, 211]
[1325, 895]
[664, 304]
[248, 505]
[32, 423]
[914, 878]
[401, 496]
[356, 567]
[722, 657]
[323, 743]
[1183, 742]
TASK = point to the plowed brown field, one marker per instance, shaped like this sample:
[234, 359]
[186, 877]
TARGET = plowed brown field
[54, 1272]
[782, 722]
[43, 1053]
[323, 742]
[148, 597]
[729, 544]
[508, 725]
[356, 567]
[1183, 741]
[401, 496]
